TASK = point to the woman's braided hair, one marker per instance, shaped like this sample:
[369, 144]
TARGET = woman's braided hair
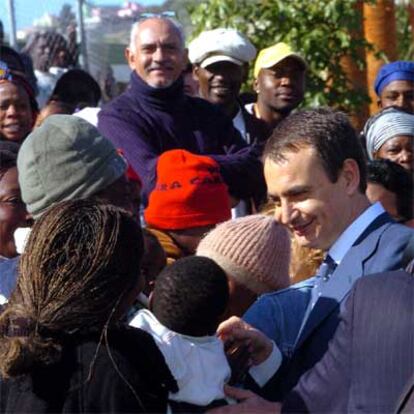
[81, 260]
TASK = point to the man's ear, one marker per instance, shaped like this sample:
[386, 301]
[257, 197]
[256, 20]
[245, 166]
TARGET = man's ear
[185, 57]
[196, 70]
[130, 58]
[351, 175]
[256, 86]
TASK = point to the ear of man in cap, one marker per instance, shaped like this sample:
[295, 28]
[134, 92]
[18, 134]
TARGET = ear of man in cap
[66, 158]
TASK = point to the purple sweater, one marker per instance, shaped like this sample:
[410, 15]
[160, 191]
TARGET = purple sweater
[145, 122]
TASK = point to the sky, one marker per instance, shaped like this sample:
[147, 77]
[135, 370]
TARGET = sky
[28, 10]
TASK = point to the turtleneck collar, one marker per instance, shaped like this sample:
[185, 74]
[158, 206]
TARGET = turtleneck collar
[162, 98]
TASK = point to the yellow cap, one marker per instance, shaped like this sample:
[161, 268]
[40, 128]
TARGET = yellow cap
[274, 54]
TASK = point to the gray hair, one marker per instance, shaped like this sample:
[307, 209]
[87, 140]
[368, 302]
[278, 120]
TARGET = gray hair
[136, 26]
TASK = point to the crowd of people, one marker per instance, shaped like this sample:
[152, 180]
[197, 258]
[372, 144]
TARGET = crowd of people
[188, 248]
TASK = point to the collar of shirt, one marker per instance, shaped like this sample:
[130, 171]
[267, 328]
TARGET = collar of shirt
[239, 124]
[249, 108]
[345, 241]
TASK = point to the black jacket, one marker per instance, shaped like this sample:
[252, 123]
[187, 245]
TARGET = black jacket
[129, 375]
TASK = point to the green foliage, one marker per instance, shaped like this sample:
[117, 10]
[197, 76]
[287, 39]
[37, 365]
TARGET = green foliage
[319, 29]
[404, 30]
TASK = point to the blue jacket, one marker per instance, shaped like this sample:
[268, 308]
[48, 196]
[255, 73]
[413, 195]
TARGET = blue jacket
[279, 314]
[378, 249]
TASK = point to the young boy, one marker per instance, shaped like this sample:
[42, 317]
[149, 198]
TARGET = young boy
[186, 305]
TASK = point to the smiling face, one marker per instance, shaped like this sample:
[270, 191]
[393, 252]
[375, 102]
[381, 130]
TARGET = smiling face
[220, 82]
[13, 212]
[398, 93]
[281, 87]
[159, 56]
[398, 149]
[315, 209]
[15, 112]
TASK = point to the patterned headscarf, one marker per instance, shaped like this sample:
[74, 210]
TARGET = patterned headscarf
[387, 124]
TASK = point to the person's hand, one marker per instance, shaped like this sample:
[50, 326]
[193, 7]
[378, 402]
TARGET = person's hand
[249, 402]
[234, 332]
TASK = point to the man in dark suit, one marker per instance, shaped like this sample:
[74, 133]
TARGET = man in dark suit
[315, 174]
[369, 365]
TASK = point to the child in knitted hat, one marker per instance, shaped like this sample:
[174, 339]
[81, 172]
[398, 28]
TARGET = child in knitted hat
[254, 251]
[187, 303]
[189, 199]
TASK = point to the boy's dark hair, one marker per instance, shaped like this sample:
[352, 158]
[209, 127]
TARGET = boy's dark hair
[190, 296]
[396, 179]
[328, 131]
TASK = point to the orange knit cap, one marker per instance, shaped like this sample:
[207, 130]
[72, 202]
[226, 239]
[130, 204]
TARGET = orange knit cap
[189, 192]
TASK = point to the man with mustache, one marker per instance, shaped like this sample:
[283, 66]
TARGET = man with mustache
[154, 115]
[279, 74]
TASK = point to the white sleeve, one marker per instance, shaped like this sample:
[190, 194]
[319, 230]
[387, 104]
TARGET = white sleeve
[264, 371]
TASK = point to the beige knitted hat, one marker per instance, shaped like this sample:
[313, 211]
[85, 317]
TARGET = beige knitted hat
[255, 250]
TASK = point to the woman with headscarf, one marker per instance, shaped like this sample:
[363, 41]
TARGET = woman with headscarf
[18, 106]
[390, 135]
[61, 349]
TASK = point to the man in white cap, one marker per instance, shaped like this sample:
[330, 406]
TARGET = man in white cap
[220, 58]
[279, 74]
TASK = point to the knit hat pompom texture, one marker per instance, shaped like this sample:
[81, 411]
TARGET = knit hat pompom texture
[189, 192]
[64, 159]
[255, 250]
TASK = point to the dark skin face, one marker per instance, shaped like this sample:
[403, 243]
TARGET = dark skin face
[280, 89]
[189, 239]
[220, 83]
[398, 93]
[240, 299]
[13, 212]
[15, 112]
[399, 149]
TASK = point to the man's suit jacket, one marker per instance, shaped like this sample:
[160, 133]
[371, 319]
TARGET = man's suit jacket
[406, 402]
[380, 248]
[371, 356]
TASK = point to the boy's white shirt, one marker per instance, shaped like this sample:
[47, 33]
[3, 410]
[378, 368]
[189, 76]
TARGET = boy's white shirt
[198, 364]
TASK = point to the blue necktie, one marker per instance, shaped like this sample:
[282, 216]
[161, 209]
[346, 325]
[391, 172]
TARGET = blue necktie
[325, 271]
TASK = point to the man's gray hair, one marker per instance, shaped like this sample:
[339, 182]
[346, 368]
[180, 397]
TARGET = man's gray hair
[136, 26]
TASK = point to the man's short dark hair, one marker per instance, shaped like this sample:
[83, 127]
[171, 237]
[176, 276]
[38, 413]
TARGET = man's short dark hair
[190, 296]
[328, 131]
[396, 179]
